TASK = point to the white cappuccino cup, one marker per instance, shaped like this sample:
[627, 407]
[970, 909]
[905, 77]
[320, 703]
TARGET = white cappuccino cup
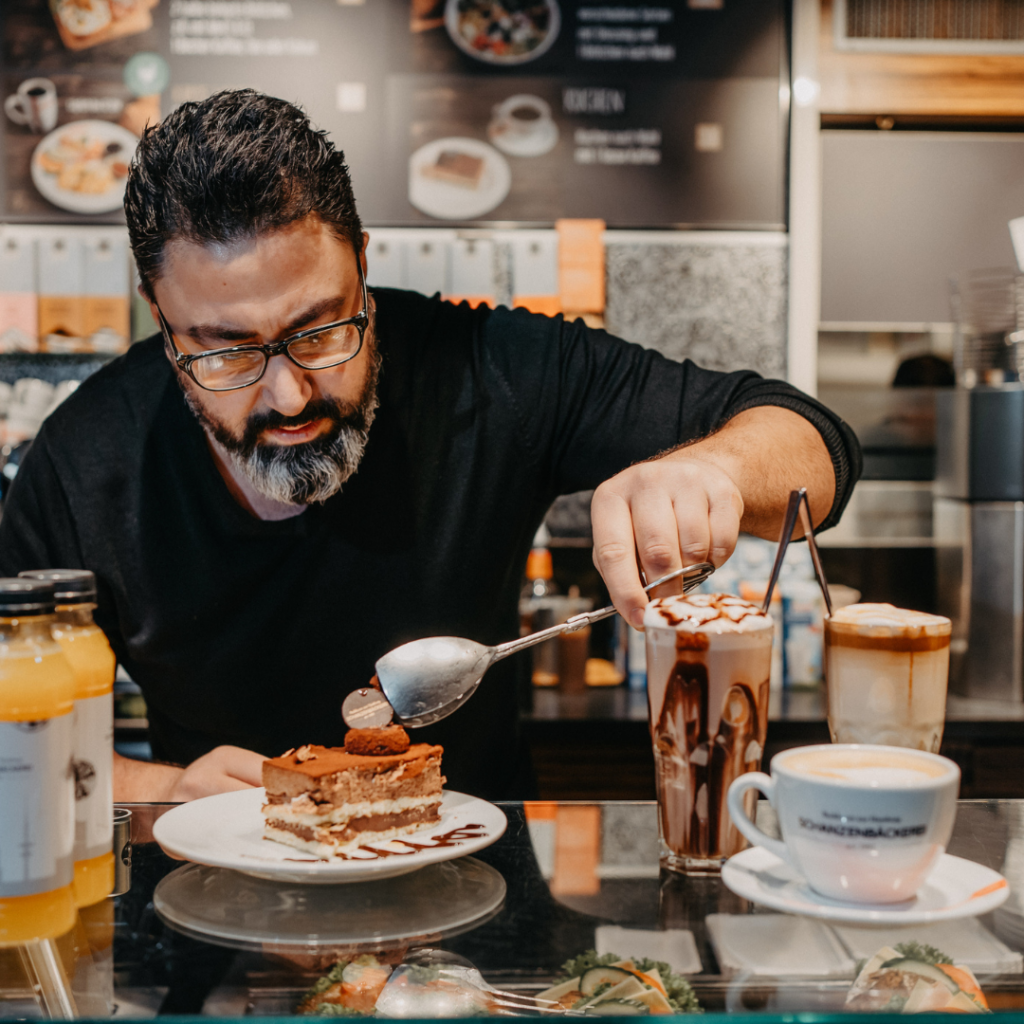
[862, 823]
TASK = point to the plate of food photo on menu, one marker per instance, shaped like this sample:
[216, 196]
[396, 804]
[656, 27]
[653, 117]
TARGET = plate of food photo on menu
[502, 31]
[328, 815]
[458, 178]
[83, 166]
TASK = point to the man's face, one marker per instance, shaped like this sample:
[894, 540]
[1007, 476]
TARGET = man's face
[296, 434]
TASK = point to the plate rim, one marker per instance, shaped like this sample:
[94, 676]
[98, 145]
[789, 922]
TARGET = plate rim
[49, 192]
[851, 914]
[325, 872]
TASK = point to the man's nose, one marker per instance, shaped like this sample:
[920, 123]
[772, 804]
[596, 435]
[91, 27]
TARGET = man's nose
[286, 387]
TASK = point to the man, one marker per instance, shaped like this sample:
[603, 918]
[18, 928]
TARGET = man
[296, 475]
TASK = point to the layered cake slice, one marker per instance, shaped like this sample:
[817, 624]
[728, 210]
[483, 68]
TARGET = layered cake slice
[323, 799]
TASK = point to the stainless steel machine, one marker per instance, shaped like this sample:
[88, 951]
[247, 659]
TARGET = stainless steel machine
[979, 489]
[979, 536]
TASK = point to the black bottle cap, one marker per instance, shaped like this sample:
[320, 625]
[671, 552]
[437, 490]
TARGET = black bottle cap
[19, 597]
[70, 586]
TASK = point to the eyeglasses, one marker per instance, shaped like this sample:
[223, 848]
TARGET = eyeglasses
[319, 348]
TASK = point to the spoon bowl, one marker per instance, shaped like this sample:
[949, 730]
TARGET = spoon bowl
[437, 673]
[426, 680]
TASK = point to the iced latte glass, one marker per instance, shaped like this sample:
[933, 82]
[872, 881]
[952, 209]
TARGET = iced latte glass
[709, 658]
[886, 670]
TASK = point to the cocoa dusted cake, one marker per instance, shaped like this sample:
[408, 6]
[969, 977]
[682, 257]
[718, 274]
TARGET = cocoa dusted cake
[378, 787]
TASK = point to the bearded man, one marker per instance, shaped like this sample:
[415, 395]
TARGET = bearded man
[297, 475]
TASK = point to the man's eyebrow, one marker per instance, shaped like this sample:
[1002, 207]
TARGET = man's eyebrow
[221, 332]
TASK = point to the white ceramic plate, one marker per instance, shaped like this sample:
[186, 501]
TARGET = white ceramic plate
[445, 199]
[956, 888]
[232, 909]
[455, 19]
[226, 831]
[89, 133]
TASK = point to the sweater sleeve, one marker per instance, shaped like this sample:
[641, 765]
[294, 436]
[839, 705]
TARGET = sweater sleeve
[589, 404]
[37, 530]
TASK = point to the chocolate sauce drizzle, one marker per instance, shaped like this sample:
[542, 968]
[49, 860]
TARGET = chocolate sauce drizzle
[456, 837]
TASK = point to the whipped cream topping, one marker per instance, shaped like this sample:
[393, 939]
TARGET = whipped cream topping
[706, 613]
[889, 617]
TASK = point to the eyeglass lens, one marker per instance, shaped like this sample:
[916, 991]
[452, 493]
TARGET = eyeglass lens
[223, 371]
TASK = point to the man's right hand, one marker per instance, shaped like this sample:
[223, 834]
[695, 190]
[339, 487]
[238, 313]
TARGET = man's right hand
[221, 770]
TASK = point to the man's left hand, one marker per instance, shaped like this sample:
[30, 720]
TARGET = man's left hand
[690, 504]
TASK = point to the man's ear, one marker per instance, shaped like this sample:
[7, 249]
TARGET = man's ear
[362, 254]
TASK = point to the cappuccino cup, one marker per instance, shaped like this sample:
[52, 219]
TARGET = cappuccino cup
[862, 823]
[34, 105]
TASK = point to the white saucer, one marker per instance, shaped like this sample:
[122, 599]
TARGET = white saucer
[541, 140]
[226, 831]
[956, 888]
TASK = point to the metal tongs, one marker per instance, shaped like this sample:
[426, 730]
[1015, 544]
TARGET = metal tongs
[798, 505]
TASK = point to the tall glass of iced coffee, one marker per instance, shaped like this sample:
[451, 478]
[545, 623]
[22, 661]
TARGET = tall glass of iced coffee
[709, 657]
[886, 670]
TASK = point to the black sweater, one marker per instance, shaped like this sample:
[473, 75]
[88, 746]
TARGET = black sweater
[249, 632]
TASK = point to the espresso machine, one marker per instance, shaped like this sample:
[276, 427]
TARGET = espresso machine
[979, 489]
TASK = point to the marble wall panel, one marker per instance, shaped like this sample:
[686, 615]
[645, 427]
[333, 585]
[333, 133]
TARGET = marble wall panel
[720, 303]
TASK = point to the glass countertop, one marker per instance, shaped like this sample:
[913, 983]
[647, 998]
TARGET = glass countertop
[564, 878]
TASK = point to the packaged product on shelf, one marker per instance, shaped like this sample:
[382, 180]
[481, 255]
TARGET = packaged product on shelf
[106, 307]
[61, 303]
[19, 303]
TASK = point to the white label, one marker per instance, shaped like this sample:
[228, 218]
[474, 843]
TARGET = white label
[37, 813]
[93, 744]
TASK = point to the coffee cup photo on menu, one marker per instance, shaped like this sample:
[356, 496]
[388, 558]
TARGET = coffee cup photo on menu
[861, 823]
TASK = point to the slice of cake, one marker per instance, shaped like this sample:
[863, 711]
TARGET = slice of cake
[378, 787]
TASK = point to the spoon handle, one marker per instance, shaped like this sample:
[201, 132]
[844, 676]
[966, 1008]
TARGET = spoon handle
[700, 571]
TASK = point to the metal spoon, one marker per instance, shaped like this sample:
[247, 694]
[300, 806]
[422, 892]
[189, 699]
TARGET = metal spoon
[426, 680]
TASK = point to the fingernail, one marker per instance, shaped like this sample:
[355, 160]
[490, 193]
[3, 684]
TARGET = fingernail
[636, 618]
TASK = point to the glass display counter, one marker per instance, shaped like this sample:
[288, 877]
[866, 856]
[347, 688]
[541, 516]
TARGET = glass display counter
[563, 879]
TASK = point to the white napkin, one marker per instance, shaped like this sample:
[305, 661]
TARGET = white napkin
[675, 946]
[777, 945]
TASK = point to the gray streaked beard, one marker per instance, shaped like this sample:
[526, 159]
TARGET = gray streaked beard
[300, 474]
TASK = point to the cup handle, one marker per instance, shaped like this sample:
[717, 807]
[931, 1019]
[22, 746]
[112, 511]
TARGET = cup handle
[13, 109]
[764, 784]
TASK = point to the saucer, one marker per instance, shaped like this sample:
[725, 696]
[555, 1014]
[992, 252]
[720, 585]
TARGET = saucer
[955, 888]
[542, 139]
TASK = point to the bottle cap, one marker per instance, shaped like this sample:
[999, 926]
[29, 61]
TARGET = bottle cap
[538, 564]
[70, 586]
[26, 597]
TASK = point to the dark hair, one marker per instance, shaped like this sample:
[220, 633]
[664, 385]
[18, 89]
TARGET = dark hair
[234, 166]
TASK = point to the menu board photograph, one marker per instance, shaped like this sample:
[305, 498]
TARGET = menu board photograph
[454, 112]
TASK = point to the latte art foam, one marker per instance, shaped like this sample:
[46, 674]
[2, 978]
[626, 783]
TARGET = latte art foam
[869, 770]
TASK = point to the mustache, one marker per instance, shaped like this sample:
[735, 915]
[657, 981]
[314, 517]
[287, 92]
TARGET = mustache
[339, 414]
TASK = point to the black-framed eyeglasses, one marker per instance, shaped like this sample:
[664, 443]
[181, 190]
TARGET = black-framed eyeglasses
[319, 348]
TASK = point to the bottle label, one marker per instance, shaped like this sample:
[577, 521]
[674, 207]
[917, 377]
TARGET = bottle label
[94, 788]
[37, 812]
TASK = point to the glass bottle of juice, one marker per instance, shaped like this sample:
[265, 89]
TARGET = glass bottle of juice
[93, 664]
[37, 812]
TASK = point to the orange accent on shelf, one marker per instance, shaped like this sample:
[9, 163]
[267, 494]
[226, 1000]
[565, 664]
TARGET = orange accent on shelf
[577, 851]
[549, 305]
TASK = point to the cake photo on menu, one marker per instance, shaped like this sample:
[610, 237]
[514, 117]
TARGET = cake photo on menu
[377, 787]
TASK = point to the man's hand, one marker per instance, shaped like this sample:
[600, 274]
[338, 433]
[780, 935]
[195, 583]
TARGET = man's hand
[221, 770]
[690, 504]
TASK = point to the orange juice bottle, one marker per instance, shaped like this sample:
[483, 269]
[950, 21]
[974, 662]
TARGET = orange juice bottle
[37, 789]
[93, 664]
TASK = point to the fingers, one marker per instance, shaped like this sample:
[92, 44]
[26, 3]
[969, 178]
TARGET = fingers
[615, 553]
[664, 514]
[245, 766]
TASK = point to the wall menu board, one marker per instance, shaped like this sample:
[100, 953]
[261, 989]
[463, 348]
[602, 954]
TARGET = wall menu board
[647, 113]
